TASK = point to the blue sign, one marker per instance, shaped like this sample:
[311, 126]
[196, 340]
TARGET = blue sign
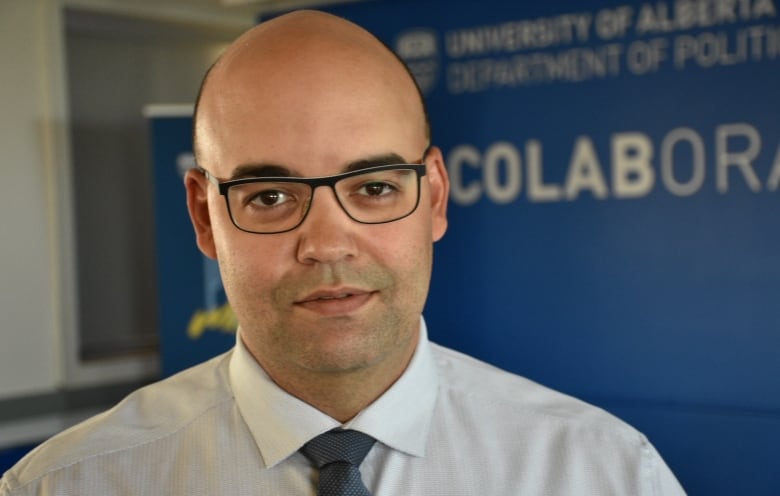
[614, 210]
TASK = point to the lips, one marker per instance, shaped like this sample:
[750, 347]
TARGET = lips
[331, 295]
[334, 302]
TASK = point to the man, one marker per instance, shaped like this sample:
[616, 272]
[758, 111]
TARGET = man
[319, 194]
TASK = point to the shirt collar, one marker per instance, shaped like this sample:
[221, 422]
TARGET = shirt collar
[281, 423]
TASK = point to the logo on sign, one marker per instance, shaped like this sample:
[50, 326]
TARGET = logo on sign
[420, 50]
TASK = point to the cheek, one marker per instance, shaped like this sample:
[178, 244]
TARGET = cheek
[408, 251]
[242, 256]
[249, 270]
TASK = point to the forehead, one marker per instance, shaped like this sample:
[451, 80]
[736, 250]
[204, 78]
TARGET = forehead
[313, 136]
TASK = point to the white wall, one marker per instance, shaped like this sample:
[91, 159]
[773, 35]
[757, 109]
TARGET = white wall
[29, 120]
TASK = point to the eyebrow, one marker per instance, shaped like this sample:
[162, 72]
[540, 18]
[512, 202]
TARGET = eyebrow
[275, 170]
[377, 160]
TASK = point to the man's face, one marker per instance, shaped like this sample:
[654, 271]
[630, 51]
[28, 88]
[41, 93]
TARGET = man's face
[332, 295]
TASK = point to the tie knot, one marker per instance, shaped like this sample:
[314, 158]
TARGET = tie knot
[338, 446]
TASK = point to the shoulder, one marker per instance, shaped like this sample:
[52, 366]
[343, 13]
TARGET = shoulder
[515, 400]
[536, 437]
[146, 416]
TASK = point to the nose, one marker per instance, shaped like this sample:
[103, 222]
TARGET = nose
[327, 233]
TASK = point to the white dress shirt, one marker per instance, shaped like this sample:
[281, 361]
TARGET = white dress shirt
[450, 425]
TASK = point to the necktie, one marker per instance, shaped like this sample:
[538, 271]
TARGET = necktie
[338, 454]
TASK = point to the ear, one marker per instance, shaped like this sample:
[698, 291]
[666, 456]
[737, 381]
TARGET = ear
[440, 191]
[196, 185]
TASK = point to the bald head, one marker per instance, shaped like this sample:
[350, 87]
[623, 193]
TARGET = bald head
[293, 61]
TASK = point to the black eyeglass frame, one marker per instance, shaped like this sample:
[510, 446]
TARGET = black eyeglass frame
[314, 183]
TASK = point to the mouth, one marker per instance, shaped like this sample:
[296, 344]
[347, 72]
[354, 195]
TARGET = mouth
[338, 296]
[334, 302]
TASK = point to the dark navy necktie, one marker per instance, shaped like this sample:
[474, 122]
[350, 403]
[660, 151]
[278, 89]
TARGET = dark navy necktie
[338, 454]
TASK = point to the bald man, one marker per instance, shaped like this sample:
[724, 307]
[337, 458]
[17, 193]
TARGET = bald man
[320, 195]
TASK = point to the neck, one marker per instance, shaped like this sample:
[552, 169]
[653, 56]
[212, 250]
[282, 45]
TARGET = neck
[342, 394]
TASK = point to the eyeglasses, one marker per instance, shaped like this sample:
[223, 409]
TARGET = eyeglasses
[272, 205]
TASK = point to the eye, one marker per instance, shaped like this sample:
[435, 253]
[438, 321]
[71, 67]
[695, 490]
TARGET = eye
[270, 198]
[377, 189]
